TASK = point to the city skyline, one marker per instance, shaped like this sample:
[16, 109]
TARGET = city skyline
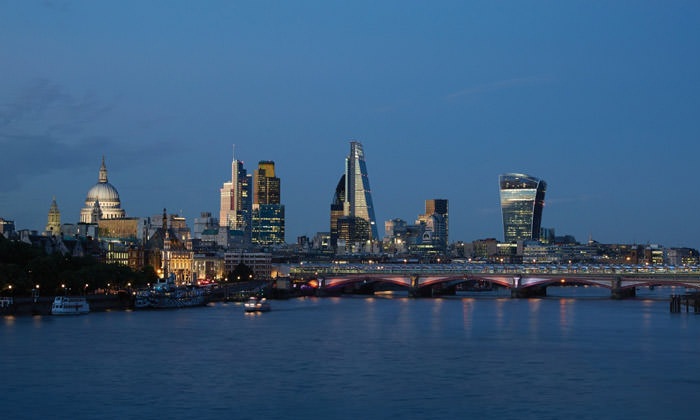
[598, 100]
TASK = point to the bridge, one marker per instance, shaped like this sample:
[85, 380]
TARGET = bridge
[523, 280]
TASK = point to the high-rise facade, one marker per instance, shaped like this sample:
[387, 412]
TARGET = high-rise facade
[435, 224]
[358, 194]
[268, 212]
[267, 185]
[352, 212]
[337, 208]
[237, 200]
[522, 201]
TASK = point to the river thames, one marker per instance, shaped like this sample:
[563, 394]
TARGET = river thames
[576, 355]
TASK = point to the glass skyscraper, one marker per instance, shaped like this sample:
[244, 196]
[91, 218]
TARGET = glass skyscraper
[352, 211]
[522, 201]
[337, 208]
[358, 201]
[268, 213]
[236, 208]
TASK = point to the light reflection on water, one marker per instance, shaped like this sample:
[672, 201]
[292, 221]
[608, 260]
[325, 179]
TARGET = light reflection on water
[359, 357]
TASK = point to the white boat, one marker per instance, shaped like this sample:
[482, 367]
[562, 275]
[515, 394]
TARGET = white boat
[257, 305]
[69, 305]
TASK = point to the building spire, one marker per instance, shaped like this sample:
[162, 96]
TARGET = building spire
[53, 226]
[103, 171]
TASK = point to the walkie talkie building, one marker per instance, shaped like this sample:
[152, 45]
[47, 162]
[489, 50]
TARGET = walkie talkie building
[522, 201]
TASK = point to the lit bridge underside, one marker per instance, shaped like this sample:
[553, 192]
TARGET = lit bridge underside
[522, 280]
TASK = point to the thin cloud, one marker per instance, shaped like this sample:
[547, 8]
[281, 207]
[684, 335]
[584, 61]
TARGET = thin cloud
[495, 86]
[45, 108]
[45, 129]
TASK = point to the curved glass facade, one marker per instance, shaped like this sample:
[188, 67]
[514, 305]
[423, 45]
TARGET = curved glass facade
[522, 201]
[358, 201]
[337, 206]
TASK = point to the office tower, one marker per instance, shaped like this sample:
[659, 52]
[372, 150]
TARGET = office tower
[337, 208]
[352, 211]
[267, 185]
[358, 194]
[436, 205]
[522, 200]
[237, 200]
[268, 213]
[268, 224]
[352, 231]
[435, 223]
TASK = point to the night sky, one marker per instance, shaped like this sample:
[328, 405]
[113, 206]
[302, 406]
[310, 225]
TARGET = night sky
[600, 99]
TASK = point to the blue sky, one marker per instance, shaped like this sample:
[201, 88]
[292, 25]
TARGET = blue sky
[599, 98]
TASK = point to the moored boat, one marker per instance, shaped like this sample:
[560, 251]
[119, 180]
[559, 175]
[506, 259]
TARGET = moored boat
[166, 295]
[255, 304]
[70, 305]
[180, 297]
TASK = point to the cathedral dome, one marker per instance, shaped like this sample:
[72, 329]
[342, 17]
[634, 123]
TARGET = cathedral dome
[103, 192]
[102, 201]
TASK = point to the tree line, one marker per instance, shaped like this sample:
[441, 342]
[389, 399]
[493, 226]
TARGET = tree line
[24, 268]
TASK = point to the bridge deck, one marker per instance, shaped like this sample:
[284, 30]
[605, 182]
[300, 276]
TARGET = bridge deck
[513, 276]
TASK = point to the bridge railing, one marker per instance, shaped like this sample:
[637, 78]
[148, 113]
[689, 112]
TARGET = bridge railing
[496, 269]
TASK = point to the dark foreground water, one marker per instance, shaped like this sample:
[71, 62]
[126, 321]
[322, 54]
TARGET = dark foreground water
[356, 358]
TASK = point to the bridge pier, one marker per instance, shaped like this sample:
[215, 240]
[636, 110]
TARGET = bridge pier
[618, 292]
[528, 292]
[413, 289]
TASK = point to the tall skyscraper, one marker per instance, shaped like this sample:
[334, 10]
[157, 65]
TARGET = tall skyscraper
[522, 201]
[358, 194]
[268, 212]
[267, 185]
[435, 222]
[236, 200]
[337, 208]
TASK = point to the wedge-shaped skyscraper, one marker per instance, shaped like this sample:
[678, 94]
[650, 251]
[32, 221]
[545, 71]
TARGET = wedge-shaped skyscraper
[357, 222]
[358, 201]
[522, 201]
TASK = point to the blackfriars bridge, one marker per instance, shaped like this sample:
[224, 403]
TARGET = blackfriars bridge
[423, 280]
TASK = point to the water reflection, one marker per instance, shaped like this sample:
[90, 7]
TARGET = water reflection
[360, 358]
[533, 317]
[566, 314]
[467, 315]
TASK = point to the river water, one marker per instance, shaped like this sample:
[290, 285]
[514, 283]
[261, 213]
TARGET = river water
[389, 357]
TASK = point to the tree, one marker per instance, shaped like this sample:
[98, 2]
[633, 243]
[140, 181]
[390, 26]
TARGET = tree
[241, 273]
